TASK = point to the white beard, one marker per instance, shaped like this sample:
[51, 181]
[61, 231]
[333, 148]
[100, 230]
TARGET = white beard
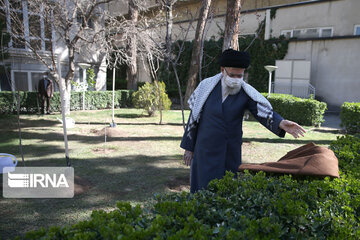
[234, 90]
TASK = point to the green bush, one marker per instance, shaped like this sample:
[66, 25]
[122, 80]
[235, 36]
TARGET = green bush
[350, 117]
[306, 112]
[251, 206]
[147, 98]
[29, 102]
[347, 150]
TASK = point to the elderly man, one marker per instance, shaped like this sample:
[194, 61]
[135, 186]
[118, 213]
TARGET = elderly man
[46, 92]
[213, 136]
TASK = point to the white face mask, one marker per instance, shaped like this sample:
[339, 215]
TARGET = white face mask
[233, 82]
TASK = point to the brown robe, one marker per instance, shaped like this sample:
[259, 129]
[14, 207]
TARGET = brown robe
[310, 159]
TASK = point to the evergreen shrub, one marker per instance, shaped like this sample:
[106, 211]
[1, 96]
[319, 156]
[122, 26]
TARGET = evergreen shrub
[249, 206]
[350, 116]
[147, 98]
[308, 112]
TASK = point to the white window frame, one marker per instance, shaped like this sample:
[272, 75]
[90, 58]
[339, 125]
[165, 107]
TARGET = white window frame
[326, 28]
[355, 27]
[304, 30]
[29, 78]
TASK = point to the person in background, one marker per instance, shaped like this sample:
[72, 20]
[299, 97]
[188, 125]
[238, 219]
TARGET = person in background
[213, 136]
[46, 92]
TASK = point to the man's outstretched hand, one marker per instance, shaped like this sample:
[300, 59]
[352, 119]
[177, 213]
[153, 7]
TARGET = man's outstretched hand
[292, 127]
[188, 156]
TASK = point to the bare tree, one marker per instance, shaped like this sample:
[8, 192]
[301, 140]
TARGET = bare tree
[195, 56]
[56, 32]
[232, 21]
[168, 6]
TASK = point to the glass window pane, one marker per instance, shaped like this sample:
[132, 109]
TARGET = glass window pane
[48, 45]
[34, 26]
[21, 81]
[36, 44]
[18, 43]
[326, 32]
[17, 23]
[357, 30]
[311, 33]
[35, 78]
[48, 31]
[296, 33]
[15, 4]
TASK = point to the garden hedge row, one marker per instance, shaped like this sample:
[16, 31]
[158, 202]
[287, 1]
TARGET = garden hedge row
[29, 102]
[250, 206]
[308, 112]
[350, 117]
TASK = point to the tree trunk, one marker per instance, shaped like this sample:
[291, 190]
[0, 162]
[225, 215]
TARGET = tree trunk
[195, 56]
[132, 67]
[232, 21]
[169, 25]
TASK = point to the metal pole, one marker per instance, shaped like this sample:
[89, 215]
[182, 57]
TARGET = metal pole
[269, 83]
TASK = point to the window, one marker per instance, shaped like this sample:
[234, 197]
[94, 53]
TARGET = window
[296, 33]
[326, 32]
[286, 33]
[26, 80]
[27, 24]
[309, 32]
[21, 81]
[357, 30]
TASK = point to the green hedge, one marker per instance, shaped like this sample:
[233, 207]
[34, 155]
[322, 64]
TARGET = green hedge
[350, 117]
[347, 149]
[251, 206]
[30, 103]
[306, 112]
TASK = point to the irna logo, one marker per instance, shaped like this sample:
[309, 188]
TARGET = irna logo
[38, 182]
[34, 180]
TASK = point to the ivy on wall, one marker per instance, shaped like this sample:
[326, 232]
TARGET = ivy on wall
[262, 52]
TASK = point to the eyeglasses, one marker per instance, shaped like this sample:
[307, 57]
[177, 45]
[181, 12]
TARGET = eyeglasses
[233, 75]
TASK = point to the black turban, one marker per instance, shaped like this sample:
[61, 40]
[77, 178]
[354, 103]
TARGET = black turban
[233, 58]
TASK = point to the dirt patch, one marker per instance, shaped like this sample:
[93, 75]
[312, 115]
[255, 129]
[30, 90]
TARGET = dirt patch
[81, 185]
[110, 132]
[102, 150]
[178, 184]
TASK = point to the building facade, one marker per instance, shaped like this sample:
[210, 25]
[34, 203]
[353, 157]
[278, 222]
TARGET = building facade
[23, 69]
[324, 32]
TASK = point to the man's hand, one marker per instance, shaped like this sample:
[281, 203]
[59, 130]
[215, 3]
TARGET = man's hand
[188, 156]
[292, 127]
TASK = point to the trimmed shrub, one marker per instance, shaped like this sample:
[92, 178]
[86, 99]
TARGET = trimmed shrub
[350, 117]
[29, 102]
[306, 112]
[347, 149]
[249, 206]
[147, 98]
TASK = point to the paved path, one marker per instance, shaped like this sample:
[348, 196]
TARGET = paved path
[332, 120]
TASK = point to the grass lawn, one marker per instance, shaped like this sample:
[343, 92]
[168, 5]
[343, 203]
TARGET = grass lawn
[140, 158]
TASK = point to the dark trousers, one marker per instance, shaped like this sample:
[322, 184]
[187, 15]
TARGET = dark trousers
[43, 99]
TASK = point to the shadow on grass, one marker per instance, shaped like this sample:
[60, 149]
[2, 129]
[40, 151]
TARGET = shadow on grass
[128, 178]
[25, 123]
[45, 137]
[130, 124]
[130, 115]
